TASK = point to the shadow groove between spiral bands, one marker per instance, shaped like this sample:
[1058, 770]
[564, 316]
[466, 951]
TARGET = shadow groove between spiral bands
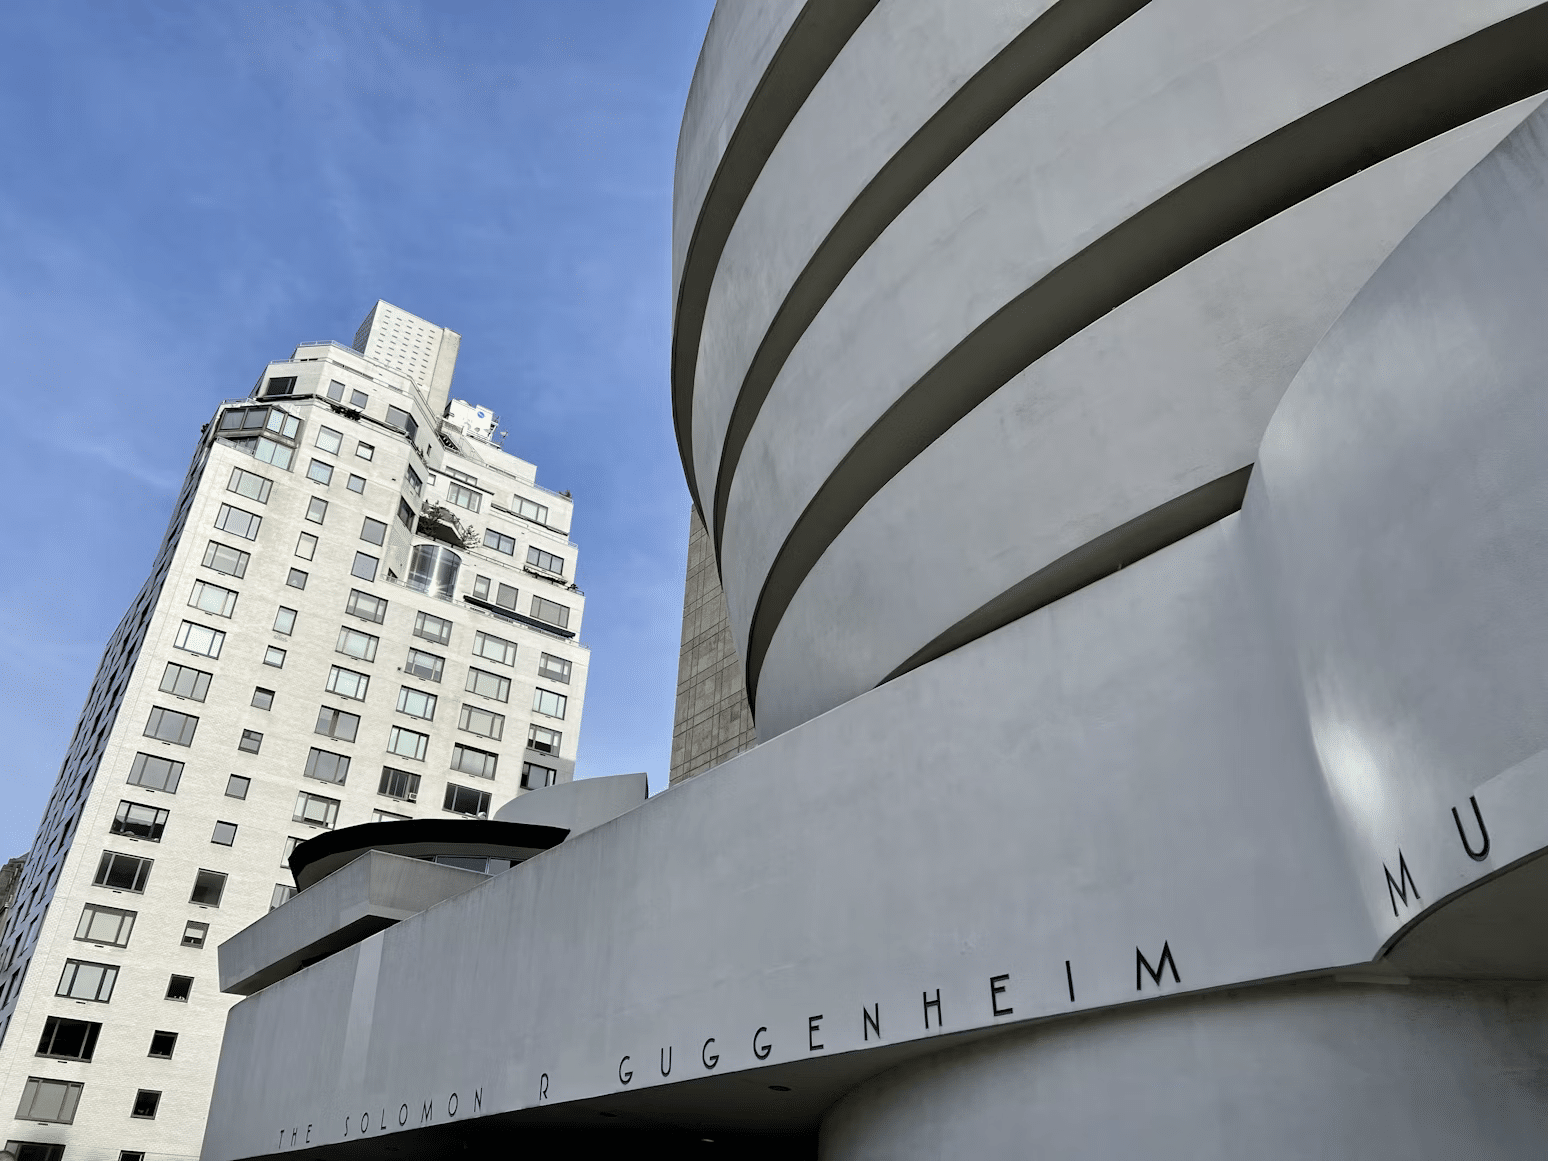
[1043, 48]
[816, 37]
[1461, 82]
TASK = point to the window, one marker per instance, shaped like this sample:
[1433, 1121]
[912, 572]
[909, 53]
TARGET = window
[224, 834]
[83, 980]
[551, 612]
[335, 723]
[336, 391]
[283, 893]
[319, 472]
[155, 772]
[274, 656]
[534, 777]
[179, 988]
[403, 421]
[405, 514]
[122, 872]
[487, 684]
[39, 1151]
[279, 385]
[366, 607]
[364, 566]
[105, 925]
[163, 1044]
[500, 542]
[399, 784]
[226, 560]
[212, 599]
[68, 1039]
[432, 628]
[270, 452]
[329, 440]
[316, 809]
[249, 484]
[373, 531]
[49, 1100]
[425, 665]
[362, 449]
[326, 766]
[554, 668]
[407, 743]
[296, 579]
[549, 703]
[146, 1102]
[495, 648]
[290, 845]
[170, 726]
[465, 800]
[388, 816]
[542, 739]
[263, 698]
[353, 643]
[238, 522]
[479, 763]
[504, 595]
[530, 511]
[416, 703]
[125, 1155]
[463, 476]
[200, 639]
[285, 619]
[348, 683]
[136, 820]
[306, 546]
[181, 681]
[481, 722]
[209, 886]
[251, 741]
[546, 561]
[237, 786]
[317, 510]
[356, 484]
[413, 479]
[463, 496]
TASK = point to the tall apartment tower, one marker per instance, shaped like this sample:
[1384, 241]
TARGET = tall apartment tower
[363, 609]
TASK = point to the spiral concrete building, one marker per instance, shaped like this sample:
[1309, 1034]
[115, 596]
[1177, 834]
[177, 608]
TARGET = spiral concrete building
[1118, 426]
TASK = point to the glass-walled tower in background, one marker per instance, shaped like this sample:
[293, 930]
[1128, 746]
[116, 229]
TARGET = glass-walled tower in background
[363, 609]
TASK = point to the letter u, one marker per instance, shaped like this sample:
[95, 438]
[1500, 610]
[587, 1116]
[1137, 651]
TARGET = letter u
[1476, 856]
[666, 1061]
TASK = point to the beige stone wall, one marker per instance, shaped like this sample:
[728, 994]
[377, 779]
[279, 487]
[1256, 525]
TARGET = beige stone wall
[713, 720]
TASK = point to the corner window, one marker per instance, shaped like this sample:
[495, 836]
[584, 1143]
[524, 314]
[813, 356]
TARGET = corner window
[481, 722]
[136, 820]
[353, 643]
[465, 800]
[319, 472]
[373, 531]
[329, 440]
[238, 522]
[274, 656]
[109, 926]
[543, 740]
[238, 786]
[408, 743]
[296, 579]
[306, 546]
[493, 648]
[403, 421]
[366, 607]
[432, 628]
[535, 777]
[263, 698]
[549, 703]
[479, 763]
[424, 665]
[66, 1039]
[163, 1044]
[325, 765]
[364, 566]
[546, 561]
[170, 726]
[226, 560]
[317, 510]
[285, 619]
[83, 980]
[356, 484]
[554, 668]
[122, 872]
[146, 1102]
[212, 599]
[208, 887]
[180, 988]
[181, 681]
[400, 784]
[316, 809]
[155, 772]
[53, 1101]
[224, 834]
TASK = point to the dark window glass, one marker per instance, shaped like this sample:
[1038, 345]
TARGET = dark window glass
[68, 1039]
[399, 784]
[179, 987]
[465, 800]
[122, 872]
[139, 821]
[146, 1102]
[163, 1044]
[209, 886]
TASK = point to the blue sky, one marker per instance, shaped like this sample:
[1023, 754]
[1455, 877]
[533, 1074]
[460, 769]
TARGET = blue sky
[187, 190]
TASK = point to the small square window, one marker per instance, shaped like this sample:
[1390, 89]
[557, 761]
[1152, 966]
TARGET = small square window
[225, 834]
[194, 934]
[296, 579]
[274, 656]
[358, 399]
[162, 1044]
[179, 988]
[329, 440]
[285, 619]
[317, 510]
[209, 886]
[373, 531]
[319, 472]
[251, 742]
[364, 566]
[364, 450]
[306, 546]
[336, 391]
[357, 484]
[146, 1102]
[283, 893]
[237, 786]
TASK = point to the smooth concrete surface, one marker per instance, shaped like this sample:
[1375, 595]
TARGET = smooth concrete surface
[578, 806]
[1309, 1072]
[375, 891]
[1171, 390]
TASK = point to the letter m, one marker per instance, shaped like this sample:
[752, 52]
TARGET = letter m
[426, 1113]
[1143, 964]
[1404, 884]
